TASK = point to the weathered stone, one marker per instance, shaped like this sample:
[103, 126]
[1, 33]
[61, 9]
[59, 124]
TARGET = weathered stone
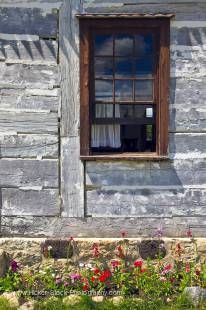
[117, 300]
[71, 300]
[57, 248]
[4, 263]
[29, 305]
[152, 249]
[196, 294]
[12, 298]
[98, 298]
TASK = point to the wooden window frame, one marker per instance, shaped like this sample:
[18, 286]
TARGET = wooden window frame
[162, 106]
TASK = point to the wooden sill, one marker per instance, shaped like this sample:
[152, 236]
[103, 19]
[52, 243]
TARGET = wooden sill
[125, 156]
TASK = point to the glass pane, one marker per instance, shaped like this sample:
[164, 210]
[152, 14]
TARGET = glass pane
[124, 45]
[103, 67]
[123, 90]
[149, 132]
[103, 45]
[133, 111]
[137, 138]
[144, 67]
[144, 44]
[144, 90]
[104, 110]
[123, 67]
[103, 90]
[149, 112]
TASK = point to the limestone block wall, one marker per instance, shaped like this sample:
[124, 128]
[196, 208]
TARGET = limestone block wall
[29, 110]
[46, 190]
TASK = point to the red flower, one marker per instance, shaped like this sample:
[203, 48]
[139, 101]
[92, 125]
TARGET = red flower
[93, 279]
[179, 249]
[104, 276]
[197, 272]
[120, 252]
[143, 270]
[96, 271]
[85, 287]
[187, 267]
[138, 263]
[95, 250]
[123, 233]
[115, 263]
[189, 233]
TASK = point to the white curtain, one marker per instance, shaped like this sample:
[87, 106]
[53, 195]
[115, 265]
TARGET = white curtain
[106, 135]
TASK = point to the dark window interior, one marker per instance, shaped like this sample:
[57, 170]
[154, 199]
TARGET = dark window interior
[122, 99]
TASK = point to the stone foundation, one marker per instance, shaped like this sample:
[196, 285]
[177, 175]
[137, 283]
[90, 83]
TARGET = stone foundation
[28, 251]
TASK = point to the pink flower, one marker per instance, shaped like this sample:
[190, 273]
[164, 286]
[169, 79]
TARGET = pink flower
[159, 233]
[75, 276]
[14, 266]
[115, 263]
[166, 269]
[58, 281]
[66, 283]
[95, 250]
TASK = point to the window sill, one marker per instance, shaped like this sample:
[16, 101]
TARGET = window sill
[125, 156]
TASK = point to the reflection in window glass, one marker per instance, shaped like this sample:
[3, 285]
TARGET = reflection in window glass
[144, 67]
[149, 132]
[103, 67]
[123, 90]
[124, 45]
[123, 67]
[149, 112]
[144, 90]
[103, 45]
[144, 44]
[133, 111]
[103, 90]
[104, 110]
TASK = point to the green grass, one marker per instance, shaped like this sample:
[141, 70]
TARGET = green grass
[5, 305]
[85, 303]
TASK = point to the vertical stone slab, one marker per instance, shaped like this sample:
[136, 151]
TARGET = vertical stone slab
[72, 169]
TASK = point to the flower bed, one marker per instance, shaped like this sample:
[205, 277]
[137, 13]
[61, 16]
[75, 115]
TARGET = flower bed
[151, 281]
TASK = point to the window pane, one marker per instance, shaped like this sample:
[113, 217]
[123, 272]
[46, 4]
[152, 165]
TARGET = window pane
[103, 67]
[144, 67]
[103, 45]
[144, 90]
[149, 112]
[103, 90]
[133, 111]
[124, 45]
[104, 110]
[123, 90]
[138, 138]
[106, 136]
[123, 67]
[144, 44]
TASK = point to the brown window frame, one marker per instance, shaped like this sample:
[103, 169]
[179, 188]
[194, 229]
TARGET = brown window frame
[87, 26]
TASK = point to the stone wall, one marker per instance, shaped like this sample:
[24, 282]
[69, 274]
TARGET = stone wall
[45, 189]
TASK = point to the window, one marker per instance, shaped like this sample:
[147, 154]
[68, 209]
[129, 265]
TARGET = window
[124, 87]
